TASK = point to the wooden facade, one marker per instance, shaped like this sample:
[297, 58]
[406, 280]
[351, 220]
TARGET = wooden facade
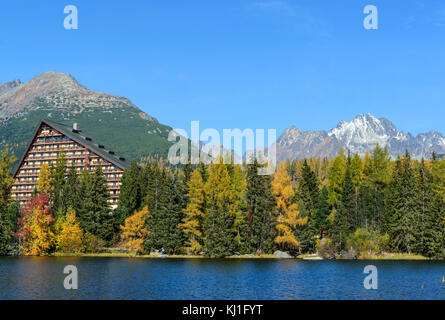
[81, 152]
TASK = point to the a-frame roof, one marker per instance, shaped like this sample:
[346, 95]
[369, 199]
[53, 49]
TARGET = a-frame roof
[81, 139]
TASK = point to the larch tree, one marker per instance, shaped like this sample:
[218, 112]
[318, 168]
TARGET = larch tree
[288, 214]
[44, 182]
[238, 204]
[135, 230]
[194, 214]
[69, 239]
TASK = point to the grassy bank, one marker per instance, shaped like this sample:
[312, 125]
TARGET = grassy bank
[385, 256]
[133, 255]
[393, 256]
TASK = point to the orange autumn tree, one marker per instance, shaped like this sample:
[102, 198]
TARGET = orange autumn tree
[70, 237]
[35, 234]
[287, 211]
[134, 231]
[194, 213]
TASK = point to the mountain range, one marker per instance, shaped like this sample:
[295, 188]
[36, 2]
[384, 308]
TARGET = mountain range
[360, 135]
[123, 127]
[114, 121]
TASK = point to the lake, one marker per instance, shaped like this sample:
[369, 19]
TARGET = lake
[135, 278]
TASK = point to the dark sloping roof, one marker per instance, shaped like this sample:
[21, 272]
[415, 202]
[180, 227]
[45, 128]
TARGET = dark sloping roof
[81, 139]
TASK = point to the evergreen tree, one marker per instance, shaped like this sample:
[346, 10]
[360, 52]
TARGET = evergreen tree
[402, 210]
[260, 229]
[94, 213]
[8, 216]
[71, 191]
[57, 173]
[322, 213]
[342, 225]
[377, 177]
[308, 195]
[165, 205]
[424, 197]
[434, 234]
[219, 236]
[130, 191]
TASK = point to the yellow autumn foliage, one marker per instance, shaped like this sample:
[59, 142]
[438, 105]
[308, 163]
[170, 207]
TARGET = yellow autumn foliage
[288, 214]
[70, 237]
[193, 213]
[134, 231]
[36, 234]
[44, 180]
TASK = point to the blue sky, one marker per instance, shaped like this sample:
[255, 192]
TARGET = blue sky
[242, 64]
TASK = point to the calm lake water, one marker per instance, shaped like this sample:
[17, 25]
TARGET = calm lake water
[126, 278]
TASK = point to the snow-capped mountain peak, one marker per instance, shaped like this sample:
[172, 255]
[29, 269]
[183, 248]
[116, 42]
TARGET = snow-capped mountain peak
[359, 135]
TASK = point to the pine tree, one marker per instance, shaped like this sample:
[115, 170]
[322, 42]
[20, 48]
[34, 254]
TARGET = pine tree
[308, 195]
[71, 191]
[322, 213]
[402, 210]
[260, 230]
[424, 197]
[8, 218]
[344, 216]
[166, 214]
[219, 237]
[130, 191]
[377, 177]
[434, 234]
[57, 177]
[194, 214]
[288, 214]
[94, 212]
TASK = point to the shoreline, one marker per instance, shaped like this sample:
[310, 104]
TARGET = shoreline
[387, 256]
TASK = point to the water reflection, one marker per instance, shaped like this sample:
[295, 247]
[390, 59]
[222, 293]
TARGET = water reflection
[132, 278]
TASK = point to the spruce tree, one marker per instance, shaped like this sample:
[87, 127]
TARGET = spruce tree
[342, 225]
[322, 213]
[219, 236]
[260, 228]
[402, 210]
[94, 214]
[165, 205]
[58, 172]
[71, 191]
[308, 195]
[8, 221]
[130, 191]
